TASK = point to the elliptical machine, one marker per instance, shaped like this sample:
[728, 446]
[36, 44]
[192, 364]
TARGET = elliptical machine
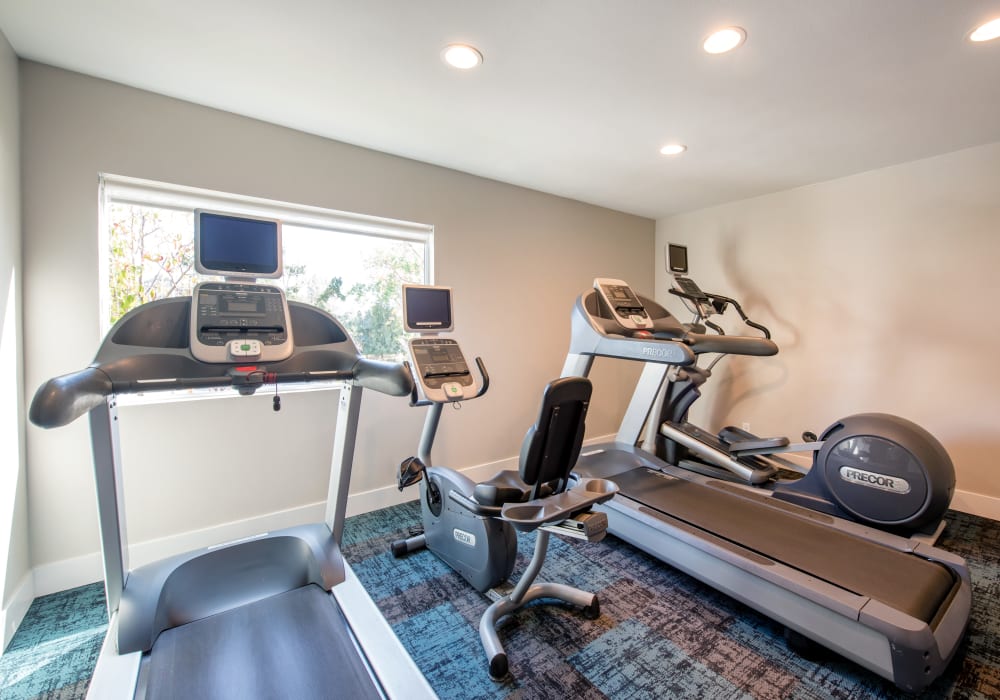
[472, 527]
[874, 468]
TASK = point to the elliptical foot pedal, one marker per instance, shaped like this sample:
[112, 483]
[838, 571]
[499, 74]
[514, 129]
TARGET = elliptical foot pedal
[739, 441]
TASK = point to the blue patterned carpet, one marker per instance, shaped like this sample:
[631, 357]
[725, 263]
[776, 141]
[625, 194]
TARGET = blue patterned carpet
[661, 633]
[55, 648]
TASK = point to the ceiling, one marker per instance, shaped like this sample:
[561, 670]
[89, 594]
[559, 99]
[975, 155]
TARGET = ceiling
[575, 97]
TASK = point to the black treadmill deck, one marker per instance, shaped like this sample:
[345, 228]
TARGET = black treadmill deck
[293, 645]
[907, 583]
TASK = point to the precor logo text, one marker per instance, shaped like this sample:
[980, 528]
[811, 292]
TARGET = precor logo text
[883, 482]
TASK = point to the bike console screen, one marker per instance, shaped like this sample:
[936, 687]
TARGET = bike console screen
[441, 372]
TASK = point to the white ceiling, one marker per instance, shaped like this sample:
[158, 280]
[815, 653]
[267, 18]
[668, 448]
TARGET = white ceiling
[575, 97]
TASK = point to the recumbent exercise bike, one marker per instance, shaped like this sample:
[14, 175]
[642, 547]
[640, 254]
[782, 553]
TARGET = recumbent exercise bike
[472, 527]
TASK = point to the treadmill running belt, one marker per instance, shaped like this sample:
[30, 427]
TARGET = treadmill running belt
[292, 645]
[905, 582]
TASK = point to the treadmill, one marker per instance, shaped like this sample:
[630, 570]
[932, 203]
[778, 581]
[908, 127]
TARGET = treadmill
[894, 605]
[278, 614]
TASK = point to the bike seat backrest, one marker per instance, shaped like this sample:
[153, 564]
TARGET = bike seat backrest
[552, 445]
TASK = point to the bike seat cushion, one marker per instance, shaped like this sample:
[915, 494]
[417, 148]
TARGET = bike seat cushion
[505, 487]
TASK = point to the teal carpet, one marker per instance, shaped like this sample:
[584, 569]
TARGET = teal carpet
[661, 633]
[54, 651]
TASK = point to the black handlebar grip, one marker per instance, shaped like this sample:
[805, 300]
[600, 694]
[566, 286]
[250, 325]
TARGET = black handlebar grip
[731, 345]
[385, 377]
[485, 375]
[62, 400]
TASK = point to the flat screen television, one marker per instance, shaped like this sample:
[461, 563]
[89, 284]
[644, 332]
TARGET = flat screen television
[677, 258]
[236, 246]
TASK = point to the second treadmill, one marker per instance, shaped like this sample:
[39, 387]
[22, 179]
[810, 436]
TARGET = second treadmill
[897, 606]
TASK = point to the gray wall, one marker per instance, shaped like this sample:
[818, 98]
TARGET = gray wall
[881, 291]
[517, 259]
[14, 554]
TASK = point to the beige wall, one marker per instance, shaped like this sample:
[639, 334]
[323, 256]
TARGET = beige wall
[517, 259]
[14, 554]
[881, 291]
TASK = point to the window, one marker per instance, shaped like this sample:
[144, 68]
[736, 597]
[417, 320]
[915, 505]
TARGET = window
[350, 265]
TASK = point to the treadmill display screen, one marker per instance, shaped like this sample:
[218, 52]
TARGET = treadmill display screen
[427, 309]
[237, 245]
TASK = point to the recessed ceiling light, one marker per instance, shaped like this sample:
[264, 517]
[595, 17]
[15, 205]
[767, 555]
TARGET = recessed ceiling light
[725, 40]
[673, 149]
[462, 56]
[986, 32]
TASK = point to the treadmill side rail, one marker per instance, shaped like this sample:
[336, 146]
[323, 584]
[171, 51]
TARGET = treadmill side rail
[908, 651]
[115, 675]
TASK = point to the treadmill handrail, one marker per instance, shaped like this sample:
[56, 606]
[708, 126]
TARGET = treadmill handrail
[61, 400]
[124, 366]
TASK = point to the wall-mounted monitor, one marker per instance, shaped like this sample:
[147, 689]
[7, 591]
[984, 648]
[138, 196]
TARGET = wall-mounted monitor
[427, 309]
[236, 246]
[677, 259]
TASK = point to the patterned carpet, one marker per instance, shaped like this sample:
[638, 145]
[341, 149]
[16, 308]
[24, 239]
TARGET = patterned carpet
[54, 650]
[661, 634]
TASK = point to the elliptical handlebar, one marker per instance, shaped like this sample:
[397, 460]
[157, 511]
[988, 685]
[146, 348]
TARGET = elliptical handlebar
[718, 304]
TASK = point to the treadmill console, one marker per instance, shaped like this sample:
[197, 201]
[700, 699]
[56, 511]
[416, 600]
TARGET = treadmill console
[440, 370]
[238, 320]
[622, 302]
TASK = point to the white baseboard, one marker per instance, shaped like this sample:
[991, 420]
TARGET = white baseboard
[12, 614]
[976, 504]
[386, 496]
[68, 573]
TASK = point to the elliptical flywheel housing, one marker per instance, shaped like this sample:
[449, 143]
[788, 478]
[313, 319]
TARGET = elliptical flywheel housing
[885, 471]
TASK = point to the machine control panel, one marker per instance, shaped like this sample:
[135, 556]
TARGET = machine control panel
[234, 322]
[690, 288]
[623, 303]
[440, 369]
